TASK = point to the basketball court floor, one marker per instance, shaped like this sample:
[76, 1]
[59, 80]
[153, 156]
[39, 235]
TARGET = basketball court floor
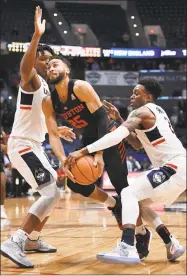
[80, 228]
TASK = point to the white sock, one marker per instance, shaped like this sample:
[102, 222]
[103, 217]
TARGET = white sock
[140, 230]
[110, 201]
[34, 235]
[20, 234]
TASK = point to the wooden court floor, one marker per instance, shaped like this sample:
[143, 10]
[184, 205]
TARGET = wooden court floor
[80, 228]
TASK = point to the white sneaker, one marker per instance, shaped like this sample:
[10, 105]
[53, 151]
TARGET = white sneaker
[13, 250]
[174, 249]
[123, 253]
[38, 246]
[3, 213]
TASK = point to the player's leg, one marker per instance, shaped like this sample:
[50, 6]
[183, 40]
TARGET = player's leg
[40, 178]
[158, 184]
[34, 243]
[93, 192]
[3, 192]
[117, 171]
[168, 239]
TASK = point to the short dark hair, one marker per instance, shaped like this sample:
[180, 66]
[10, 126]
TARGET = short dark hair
[43, 47]
[152, 86]
[63, 59]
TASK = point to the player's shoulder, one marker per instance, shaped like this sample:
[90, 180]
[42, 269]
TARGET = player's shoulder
[47, 100]
[141, 112]
[78, 84]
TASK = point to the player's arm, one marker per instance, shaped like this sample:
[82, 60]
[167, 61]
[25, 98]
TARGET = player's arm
[114, 114]
[86, 93]
[141, 118]
[52, 127]
[27, 70]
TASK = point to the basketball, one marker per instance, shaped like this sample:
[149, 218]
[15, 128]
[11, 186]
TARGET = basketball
[84, 170]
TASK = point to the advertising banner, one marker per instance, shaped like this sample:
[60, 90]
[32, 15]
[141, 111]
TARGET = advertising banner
[111, 78]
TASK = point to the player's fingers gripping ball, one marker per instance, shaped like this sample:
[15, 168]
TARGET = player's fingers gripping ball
[84, 170]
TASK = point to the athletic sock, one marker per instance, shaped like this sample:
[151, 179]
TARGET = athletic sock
[20, 235]
[128, 236]
[164, 233]
[110, 201]
[34, 235]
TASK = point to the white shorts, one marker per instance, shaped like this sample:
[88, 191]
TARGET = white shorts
[30, 160]
[163, 184]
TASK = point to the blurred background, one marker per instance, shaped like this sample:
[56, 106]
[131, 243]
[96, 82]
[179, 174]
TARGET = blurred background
[110, 44]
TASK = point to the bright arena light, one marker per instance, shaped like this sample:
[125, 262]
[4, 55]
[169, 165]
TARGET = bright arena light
[134, 25]
[55, 14]
[137, 34]
[65, 32]
[10, 97]
[60, 23]
[132, 17]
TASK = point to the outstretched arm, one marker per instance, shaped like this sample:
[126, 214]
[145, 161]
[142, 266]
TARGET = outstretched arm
[27, 70]
[141, 118]
[114, 114]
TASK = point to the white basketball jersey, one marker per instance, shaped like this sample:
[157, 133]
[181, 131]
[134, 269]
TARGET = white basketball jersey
[29, 120]
[160, 142]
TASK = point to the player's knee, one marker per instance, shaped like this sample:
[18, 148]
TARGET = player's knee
[50, 195]
[126, 193]
[84, 190]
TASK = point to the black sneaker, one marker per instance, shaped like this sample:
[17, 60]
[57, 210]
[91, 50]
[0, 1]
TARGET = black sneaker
[117, 211]
[143, 244]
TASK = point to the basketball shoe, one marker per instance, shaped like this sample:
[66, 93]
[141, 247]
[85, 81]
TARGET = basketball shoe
[142, 241]
[38, 246]
[13, 250]
[174, 249]
[143, 244]
[123, 253]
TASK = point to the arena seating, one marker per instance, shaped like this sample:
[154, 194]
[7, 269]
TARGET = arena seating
[108, 22]
[170, 15]
[17, 22]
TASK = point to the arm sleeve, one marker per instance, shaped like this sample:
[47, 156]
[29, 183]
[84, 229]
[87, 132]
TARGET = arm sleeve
[101, 121]
[109, 140]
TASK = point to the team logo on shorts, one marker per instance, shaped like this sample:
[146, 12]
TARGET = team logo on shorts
[40, 174]
[158, 177]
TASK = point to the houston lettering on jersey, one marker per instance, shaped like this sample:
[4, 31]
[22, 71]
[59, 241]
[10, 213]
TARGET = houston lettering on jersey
[72, 112]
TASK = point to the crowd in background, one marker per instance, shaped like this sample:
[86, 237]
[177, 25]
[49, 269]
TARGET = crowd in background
[136, 161]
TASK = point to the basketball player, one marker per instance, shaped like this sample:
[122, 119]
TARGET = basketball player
[25, 151]
[3, 176]
[77, 102]
[150, 125]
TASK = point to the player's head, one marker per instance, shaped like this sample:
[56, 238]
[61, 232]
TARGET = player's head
[146, 91]
[44, 53]
[58, 69]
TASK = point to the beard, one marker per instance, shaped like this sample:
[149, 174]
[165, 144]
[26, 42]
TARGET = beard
[57, 79]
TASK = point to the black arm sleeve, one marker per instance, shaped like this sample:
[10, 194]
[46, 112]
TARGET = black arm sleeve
[101, 121]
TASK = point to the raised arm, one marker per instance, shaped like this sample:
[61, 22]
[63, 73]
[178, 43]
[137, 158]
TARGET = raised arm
[53, 132]
[27, 70]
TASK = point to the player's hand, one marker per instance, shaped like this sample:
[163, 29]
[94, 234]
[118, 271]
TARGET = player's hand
[68, 173]
[39, 24]
[66, 133]
[111, 110]
[98, 161]
[73, 156]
